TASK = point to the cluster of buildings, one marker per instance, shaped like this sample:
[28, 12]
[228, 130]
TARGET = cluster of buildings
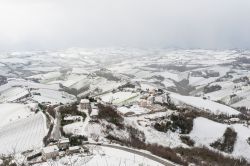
[61, 148]
[85, 104]
[151, 98]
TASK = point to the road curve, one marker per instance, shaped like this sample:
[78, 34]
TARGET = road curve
[146, 155]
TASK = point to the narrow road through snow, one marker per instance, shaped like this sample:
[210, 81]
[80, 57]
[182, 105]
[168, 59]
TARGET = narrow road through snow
[56, 134]
[146, 155]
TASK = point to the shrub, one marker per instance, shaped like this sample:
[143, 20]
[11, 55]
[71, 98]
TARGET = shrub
[212, 88]
[226, 143]
[41, 106]
[3, 80]
[137, 140]
[46, 138]
[241, 79]
[127, 85]
[244, 110]
[51, 111]
[184, 124]
[108, 75]
[248, 140]
[206, 157]
[162, 126]
[76, 140]
[110, 114]
[70, 110]
[165, 152]
[7, 161]
[187, 140]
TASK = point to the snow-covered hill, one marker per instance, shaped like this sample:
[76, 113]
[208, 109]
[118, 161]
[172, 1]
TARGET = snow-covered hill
[170, 97]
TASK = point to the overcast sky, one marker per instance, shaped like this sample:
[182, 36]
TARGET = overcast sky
[58, 24]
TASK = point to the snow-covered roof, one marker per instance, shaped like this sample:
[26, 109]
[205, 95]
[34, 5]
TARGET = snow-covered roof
[135, 109]
[50, 149]
[64, 140]
[94, 112]
[84, 101]
[72, 117]
[74, 148]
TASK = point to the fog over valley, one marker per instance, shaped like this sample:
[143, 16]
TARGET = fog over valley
[59, 24]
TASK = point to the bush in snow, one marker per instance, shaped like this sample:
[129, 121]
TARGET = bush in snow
[241, 79]
[7, 161]
[248, 140]
[77, 140]
[3, 80]
[162, 126]
[181, 123]
[110, 114]
[177, 123]
[165, 152]
[51, 111]
[244, 110]
[226, 143]
[136, 138]
[208, 89]
[206, 157]
[70, 110]
[187, 140]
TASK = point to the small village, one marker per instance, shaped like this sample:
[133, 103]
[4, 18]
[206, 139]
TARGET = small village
[75, 140]
[144, 102]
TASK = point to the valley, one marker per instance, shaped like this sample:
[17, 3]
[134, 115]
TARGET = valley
[179, 106]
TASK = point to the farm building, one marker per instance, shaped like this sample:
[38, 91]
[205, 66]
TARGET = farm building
[159, 99]
[143, 103]
[73, 118]
[84, 104]
[63, 143]
[74, 149]
[150, 100]
[50, 152]
[94, 113]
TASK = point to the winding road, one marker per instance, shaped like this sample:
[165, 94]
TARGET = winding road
[146, 155]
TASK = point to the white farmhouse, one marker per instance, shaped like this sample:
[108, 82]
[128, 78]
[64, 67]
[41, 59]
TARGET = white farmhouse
[50, 152]
[150, 100]
[159, 99]
[143, 103]
[74, 149]
[63, 143]
[84, 104]
[94, 113]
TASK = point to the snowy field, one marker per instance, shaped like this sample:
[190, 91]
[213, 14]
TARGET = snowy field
[143, 123]
[45, 78]
[24, 134]
[105, 156]
[118, 97]
[18, 88]
[204, 104]
[134, 109]
[13, 94]
[206, 132]
[9, 113]
[40, 74]
[27, 84]
[53, 96]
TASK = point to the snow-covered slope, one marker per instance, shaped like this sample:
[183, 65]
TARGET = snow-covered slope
[206, 131]
[10, 113]
[22, 135]
[204, 104]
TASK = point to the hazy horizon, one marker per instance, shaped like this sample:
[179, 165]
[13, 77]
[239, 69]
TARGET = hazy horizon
[60, 24]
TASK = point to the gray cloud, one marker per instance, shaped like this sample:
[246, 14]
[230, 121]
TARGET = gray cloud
[53, 24]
